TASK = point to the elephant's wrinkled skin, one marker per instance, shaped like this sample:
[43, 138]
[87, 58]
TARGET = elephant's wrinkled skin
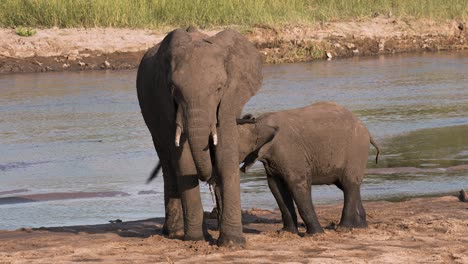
[191, 90]
[318, 144]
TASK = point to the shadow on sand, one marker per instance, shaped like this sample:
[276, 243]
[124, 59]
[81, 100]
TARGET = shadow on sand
[153, 226]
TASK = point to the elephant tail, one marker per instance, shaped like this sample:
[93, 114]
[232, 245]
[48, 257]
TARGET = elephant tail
[376, 147]
[154, 173]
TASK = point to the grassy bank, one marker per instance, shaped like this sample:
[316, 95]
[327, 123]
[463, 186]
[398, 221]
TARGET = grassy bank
[206, 13]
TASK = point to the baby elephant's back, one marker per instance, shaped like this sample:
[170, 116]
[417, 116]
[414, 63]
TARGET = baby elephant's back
[331, 137]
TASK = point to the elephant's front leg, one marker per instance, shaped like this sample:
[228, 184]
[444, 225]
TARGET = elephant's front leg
[188, 185]
[173, 221]
[173, 224]
[227, 162]
[192, 207]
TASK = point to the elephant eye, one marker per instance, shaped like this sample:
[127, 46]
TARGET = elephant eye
[176, 94]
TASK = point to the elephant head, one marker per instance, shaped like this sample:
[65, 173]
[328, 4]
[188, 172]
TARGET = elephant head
[255, 140]
[210, 79]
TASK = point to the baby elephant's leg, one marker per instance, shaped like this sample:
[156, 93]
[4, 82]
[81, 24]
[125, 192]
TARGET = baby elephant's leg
[303, 199]
[353, 215]
[283, 197]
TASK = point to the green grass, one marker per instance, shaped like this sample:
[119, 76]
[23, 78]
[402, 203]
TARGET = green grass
[25, 31]
[208, 13]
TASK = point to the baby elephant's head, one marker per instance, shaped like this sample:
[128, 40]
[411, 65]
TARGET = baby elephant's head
[255, 139]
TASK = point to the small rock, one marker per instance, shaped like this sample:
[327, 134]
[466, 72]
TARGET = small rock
[350, 45]
[463, 196]
[81, 63]
[49, 68]
[381, 44]
[85, 55]
[107, 64]
[329, 55]
[375, 14]
[27, 230]
[356, 51]
[337, 45]
[390, 14]
[72, 57]
[115, 221]
[65, 65]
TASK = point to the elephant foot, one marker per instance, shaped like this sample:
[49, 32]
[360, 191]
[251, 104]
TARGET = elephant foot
[194, 237]
[354, 221]
[314, 231]
[173, 234]
[289, 229]
[231, 241]
[353, 224]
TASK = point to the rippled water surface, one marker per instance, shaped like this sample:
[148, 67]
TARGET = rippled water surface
[82, 132]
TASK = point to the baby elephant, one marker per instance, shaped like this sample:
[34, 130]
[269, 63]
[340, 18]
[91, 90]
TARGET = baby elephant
[323, 143]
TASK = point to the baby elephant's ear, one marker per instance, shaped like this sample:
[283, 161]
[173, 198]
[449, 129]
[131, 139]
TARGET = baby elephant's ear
[266, 136]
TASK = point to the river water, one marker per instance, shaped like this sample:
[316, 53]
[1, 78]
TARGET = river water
[76, 144]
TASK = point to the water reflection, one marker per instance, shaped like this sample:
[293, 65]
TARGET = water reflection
[439, 147]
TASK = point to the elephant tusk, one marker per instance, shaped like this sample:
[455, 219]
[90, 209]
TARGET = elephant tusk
[177, 136]
[214, 135]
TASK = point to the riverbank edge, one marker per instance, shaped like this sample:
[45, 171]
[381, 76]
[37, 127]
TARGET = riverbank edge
[78, 50]
[398, 232]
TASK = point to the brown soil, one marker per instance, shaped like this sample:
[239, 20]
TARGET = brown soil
[97, 48]
[423, 230]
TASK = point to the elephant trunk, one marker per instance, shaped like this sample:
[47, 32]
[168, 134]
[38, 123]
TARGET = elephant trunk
[198, 133]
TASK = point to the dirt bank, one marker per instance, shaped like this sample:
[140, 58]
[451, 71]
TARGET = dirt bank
[423, 230]
[97, 48]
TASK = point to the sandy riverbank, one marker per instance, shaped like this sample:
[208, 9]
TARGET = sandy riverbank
[111, 48]
[422, 230]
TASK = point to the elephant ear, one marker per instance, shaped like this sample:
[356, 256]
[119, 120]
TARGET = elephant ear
[243, 65]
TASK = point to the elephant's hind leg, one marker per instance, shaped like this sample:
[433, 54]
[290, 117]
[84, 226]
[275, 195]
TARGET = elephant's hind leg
[285, 203]
[353, 215]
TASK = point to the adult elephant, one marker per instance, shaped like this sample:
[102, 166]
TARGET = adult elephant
[191, 89]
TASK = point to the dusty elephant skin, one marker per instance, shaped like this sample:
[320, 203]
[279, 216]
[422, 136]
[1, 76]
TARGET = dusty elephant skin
[323, 143]
[191, 90]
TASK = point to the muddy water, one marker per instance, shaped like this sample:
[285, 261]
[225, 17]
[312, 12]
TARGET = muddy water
[74, 148]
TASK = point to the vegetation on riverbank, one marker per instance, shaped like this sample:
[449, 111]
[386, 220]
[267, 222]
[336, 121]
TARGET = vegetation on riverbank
[208, 13]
